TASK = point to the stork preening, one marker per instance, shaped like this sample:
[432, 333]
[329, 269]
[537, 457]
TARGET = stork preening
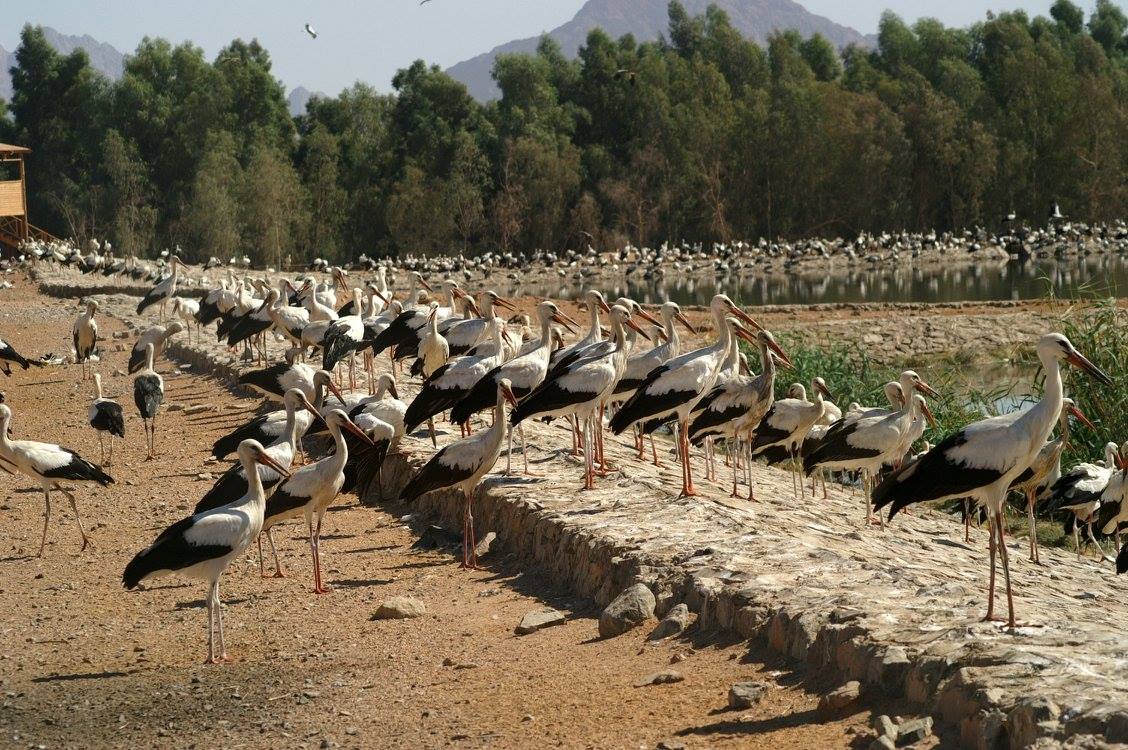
[85, 335]
[107, 418]
[462, 464]
[203, 545]
[158, 336]
[49, 465]
[982, 459]
[148, 394]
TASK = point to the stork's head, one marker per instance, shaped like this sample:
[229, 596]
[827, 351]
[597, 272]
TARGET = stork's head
[338, 421]
[767, 341]
[251, 452]
[722, 307]
[386, 384]
[672, 311]
[1055, 346]
[911, 381]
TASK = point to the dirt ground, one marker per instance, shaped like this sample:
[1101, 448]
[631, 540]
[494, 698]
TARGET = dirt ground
[84, 663]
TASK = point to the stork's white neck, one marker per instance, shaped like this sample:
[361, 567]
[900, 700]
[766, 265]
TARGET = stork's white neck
[1039, 420]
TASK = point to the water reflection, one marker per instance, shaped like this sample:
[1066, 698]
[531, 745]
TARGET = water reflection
[1015, 280]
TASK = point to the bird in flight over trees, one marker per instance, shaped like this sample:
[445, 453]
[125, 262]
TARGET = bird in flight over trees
[311, 31]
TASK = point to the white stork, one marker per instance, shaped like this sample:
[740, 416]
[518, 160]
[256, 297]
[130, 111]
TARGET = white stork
[787, 423]
[982, 459]
[163, 291]
[310, 490]
[9, 355]
[275, 380]
[579, 383]
[462, 464]
[524, 373]
[203, 545]
[106, 416]
[676, 386]
[1083, 490]
[85, 335]
[188, 310]
[148, 393]
[1043, 474]
[271, 426]
[49, 464]
[158, 336]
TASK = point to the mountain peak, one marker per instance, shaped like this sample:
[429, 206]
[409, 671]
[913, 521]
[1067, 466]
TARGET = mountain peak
[649, 19]
[103, 57]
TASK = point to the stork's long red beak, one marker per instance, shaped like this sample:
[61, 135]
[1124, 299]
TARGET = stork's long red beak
[635, 327]
[604, 306]
[350, 426]
[1077, 359]
[423, 283]
[679, 317]
[745, 317]
[505, 304]
[336, 391]
[648, 317]
[562, 319]
[266, 460]
[509, 396]
[928, 414]
[1080, 416]
[926, 389]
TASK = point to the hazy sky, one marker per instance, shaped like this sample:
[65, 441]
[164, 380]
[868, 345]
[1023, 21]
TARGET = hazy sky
[369, 39]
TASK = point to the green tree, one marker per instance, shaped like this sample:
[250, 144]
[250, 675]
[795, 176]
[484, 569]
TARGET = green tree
[132, 216]
[210, 224]
[271, 207]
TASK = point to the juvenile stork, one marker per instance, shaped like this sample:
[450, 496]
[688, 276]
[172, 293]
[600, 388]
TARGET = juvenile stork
[1083, 490]
[1041, 475]
[462, 464]
[85, 335]
[981, 460]
[676, 386]
[106, 417]
[148, 393]
[164, 290]
[201, 546]
[310, 490]
[158, 336]
[579, 383]
[49, 465]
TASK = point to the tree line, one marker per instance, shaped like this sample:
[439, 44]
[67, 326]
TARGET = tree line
[701, 135]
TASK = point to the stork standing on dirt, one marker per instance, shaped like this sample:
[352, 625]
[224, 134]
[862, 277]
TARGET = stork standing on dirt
[187, 309]
[462, 464]
[9, 355]
[85, 335]
[107, 418]
[309, 491]
[148, 393]
[982, 459]
[158, 336]
[203, 545]
[164, 290]
[49, 464]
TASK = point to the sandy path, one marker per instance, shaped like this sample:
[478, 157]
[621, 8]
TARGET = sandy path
[85, 663]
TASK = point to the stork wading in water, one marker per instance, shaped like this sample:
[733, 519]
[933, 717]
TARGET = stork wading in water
[462, 464]
[676, 386]
[164, 290]
[201, 546]
[85, 335]
[982, 459]
[49, 465]
[309, 491]
[1041, 475]
[148, 394]
[107, 419]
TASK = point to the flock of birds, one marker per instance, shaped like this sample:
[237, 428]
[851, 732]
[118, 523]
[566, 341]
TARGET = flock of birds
[629, 371]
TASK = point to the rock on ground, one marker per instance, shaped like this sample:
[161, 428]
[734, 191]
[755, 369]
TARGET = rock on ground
[538, 619]
[629, 609]
[672, 624]
[660, 678]
[841, 697]
[746, 694]
[400, 608]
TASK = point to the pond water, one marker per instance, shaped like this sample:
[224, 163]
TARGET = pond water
[1014, 280]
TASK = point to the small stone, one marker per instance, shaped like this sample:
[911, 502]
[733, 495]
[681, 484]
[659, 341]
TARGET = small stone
[484, 543]
[884, 726]
[204, 476]
[629, 609]
[746, 694]
[882, 743]
[539, 619]
[666, 677]
[671, 745]
[400, 608]
[672, 624]
[914, 730]
[841, 697]
[119, 373]
[351, 731]
[527, 717]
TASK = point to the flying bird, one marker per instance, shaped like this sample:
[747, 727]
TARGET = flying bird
[310, 30]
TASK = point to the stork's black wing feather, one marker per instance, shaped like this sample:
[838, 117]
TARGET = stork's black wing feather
[933, 477]
[108, 417]
[78, 469]
[170, 551]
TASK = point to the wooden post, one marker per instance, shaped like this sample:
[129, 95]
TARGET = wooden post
[23, 187]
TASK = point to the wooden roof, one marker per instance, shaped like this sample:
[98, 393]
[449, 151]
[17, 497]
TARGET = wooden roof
[7, 149]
